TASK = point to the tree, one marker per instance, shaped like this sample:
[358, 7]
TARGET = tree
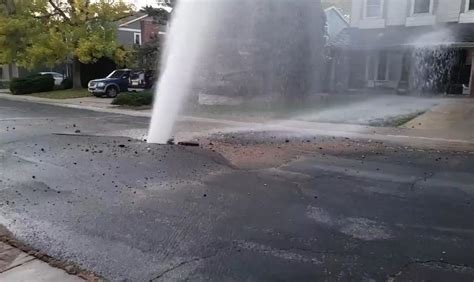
[149, 53]
[160, 15]
[146, 55]
[170, 3]
[48, 32]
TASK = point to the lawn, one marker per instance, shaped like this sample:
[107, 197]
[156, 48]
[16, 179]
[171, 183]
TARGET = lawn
[63, 94]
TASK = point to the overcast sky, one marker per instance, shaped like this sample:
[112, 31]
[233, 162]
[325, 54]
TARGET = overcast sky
[141, 3]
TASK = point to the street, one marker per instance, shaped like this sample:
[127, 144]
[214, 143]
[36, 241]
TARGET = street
[261, 205]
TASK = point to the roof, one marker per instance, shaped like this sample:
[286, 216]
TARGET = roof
[336, 22]
[455, 35]
[337, 11]
[133, 18]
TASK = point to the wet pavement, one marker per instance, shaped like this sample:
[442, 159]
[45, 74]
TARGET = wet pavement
[242, 206]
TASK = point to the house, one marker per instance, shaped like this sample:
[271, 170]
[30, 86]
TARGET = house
[406, 45]
[129, 31]
[137, 29]
[7, 72]
[336, 21]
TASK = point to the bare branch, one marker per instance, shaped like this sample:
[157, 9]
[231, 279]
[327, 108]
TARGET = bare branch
[47, 16]
[59, 11]
[114, 19]
[86, 9]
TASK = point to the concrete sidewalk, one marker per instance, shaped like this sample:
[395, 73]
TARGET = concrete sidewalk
[16, 265]
[86, 103]
[455, 118]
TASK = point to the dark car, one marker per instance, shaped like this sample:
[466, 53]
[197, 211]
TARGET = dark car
[112, 85]
[122, 80]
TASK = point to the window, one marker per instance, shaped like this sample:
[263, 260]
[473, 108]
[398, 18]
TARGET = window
[470, 6]
[119, 74]
[137, 38]
[1, 72]
[373, 8]
[422, 6]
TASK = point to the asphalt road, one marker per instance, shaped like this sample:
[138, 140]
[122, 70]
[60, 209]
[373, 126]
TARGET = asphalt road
[132, 211]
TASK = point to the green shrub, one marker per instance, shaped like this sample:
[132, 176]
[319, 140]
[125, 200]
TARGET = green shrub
[66, 83]
[144, 98]
[4, 84]
[32, 84]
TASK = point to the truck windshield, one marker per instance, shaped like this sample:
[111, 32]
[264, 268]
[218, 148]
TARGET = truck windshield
[117, 74]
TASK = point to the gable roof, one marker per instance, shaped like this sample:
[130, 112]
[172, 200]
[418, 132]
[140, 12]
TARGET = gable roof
[337, 12]
[133, 18]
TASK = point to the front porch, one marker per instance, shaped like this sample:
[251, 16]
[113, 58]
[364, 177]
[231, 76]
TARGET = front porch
[403, 70]
[418, 60]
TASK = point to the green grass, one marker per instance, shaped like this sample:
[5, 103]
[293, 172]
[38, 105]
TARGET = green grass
[402, 120]
[63, 94]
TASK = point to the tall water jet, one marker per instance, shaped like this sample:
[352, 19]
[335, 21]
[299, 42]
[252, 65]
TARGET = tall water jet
[238, 48]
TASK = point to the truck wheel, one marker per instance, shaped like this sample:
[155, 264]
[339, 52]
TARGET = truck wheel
[111, 92]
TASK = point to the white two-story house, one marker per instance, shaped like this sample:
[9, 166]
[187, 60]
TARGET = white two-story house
[417, 45]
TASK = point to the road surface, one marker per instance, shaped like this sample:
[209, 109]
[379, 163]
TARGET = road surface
[246, 206]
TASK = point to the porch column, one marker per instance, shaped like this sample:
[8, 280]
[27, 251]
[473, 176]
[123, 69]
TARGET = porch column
[6, 72]
[471, 80]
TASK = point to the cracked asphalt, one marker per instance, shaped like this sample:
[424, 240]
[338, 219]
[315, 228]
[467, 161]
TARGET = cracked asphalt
[314, 208]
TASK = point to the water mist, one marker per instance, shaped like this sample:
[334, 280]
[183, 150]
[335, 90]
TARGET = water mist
[238, 48]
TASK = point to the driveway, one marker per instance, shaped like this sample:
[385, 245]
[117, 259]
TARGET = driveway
[455, 118]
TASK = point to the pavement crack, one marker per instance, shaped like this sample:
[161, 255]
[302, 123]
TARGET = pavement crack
[420, 179]
[446, 263]
[19, 265]
[181, 264]
[454, 267]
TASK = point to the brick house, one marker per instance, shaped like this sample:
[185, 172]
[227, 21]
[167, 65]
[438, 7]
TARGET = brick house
[406, 45]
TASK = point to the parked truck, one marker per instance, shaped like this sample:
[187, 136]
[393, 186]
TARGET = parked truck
[121, 80]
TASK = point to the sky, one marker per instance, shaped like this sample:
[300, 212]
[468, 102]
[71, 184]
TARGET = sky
[141, 3]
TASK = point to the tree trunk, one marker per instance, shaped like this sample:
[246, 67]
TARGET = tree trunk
[76, 74]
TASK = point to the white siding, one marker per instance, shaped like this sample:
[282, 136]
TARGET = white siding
[357, 6]
[396, 12]
[467, 17]
[448, 10]
[372, 23]
[418, 20]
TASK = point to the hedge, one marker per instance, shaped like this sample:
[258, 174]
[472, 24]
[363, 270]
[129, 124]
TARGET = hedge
[32, 84]
[66, 84]
[137, 99]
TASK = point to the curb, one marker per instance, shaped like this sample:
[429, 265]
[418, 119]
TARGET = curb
[70, 268]
[73, 106]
